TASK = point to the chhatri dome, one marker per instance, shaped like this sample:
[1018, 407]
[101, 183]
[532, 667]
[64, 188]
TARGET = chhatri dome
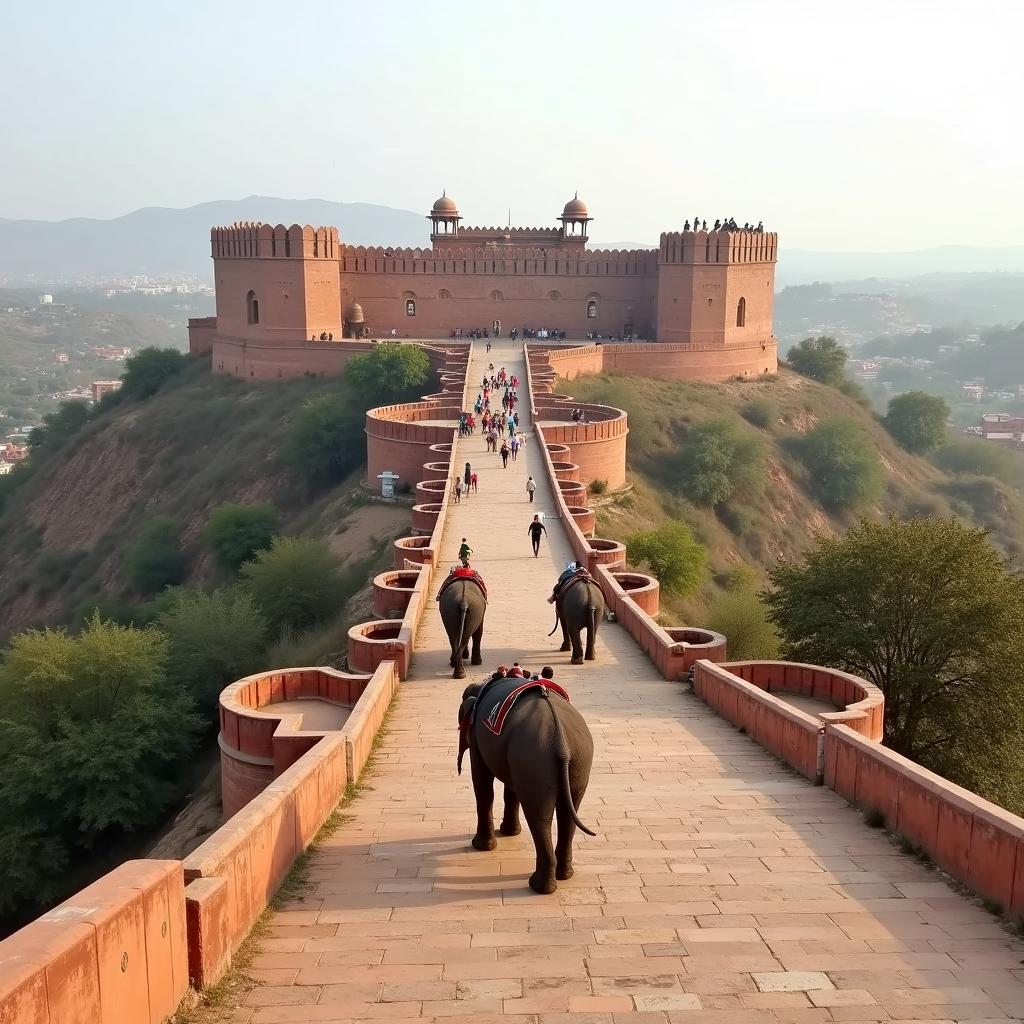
[445, 206]
[575, 208]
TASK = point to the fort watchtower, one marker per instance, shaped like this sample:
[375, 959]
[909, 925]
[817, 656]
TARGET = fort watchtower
[277, 284]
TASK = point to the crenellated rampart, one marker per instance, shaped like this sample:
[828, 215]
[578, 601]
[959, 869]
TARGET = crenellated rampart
[256, 240]
[718, 247]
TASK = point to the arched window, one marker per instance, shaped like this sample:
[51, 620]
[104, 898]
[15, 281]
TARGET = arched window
[741, 313]
[252, 308]
[444, 294]
[592, 309]
[554, 296]
[496, 296]
[410, 307]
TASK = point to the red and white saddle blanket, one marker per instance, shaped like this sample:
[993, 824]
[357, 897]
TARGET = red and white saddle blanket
[462, 574]
[495, 721]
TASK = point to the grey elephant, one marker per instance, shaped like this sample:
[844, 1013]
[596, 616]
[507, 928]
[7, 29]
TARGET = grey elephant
[579, 609]
[462, 602]
[526, 734]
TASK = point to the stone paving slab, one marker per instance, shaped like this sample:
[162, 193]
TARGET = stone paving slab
[721, 887]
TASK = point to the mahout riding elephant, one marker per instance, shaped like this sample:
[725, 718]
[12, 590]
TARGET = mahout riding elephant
[542, 752]
[462, 605]
[580, 608]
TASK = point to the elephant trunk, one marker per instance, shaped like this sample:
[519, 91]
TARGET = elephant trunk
[563, 756]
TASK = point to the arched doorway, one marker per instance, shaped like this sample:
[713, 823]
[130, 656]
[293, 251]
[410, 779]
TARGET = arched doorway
[496, 327]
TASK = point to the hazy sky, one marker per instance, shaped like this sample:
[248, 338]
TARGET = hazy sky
[865, 125]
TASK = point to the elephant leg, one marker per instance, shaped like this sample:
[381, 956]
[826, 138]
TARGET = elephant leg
[577, 647]
[483, 789]
[477, 658]
[563, 848]
[591, 632]
[538, 818]
[510, 820]
[566, 642]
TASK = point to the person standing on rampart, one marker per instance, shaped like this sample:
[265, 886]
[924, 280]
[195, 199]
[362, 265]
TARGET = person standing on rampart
[535, 529]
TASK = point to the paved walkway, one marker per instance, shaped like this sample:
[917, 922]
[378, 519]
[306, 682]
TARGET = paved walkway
[721, 887]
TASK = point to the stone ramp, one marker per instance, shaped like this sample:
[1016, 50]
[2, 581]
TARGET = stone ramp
[722, 887]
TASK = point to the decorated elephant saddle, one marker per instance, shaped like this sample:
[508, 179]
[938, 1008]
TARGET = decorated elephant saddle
[562, 587]
[462, 573]
[494, 721]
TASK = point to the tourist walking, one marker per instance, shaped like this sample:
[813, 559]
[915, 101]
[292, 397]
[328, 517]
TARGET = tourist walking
[535, 529]
[504, 453]
[473, 481]
[464, 552]
[458, 490]
[514, 445]
[531, 487]
[467, 476]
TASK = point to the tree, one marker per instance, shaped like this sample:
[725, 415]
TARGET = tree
[94, 738]
[237, 532]
[717, 459]
[389, 373]
[146, 372]
[57, 427]
[676, 560]
[821, 359]
[928, 611]
[917, 421]
[213, 639]
[743, 618]
[842, 464]
[981, 458]
[296, 583]
[761, 412]
[325, 441]
[156, 560]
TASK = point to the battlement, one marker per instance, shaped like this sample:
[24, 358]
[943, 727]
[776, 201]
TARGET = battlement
[718, 247]
[256, 240]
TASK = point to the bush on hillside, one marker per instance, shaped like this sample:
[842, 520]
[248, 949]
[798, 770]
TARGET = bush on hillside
[146, 372]
[917, 421]
[977, 457]
[761, 412]
[326, 440]
[156, 560]
[718, 459]
[237, 532]
[58, 427]
[931, 614]
[675, 558]
[389, 373]
[212, 640]
[743, 618]
[843, 467]
[597, 486]
[822, 359]
[94, 738]
[296, 583]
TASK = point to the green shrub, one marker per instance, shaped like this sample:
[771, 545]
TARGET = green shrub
[673, 555]
[54, 568]
[389, 373]
[146, 372]
[326, 440]
[296, 583]
[978, 457]
[716, 460]
[743, 618]
[237, 532]
[736, 519]
[212, 640]
[822, 359]
[94, 739]
[598, 486]
[738, 577]
[761, 412]
[58, 427]
[917, 421]
[156, 560]
[842, 464]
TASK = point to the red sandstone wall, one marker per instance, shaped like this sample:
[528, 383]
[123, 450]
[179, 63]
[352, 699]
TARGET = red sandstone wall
[201, 332]
[277, 360]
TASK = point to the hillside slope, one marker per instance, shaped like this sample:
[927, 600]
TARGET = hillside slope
[207, 440]
[778, 521]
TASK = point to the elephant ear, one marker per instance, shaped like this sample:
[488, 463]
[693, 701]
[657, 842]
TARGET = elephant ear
[465, 724]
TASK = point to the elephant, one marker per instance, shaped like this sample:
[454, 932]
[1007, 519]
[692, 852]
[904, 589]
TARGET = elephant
[462, 605]
[580, 608]
[543, 753]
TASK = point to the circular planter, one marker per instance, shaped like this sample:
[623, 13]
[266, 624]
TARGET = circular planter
[566, 471]
[436, 469]
[556, 451]
[393, 590]
[441, 449]
[573, 491]
[424, 517]
[691, 645]
[370, 643]
[431, 490]
[644, 590]
[607, 552]
[584, 518]
[413, 549]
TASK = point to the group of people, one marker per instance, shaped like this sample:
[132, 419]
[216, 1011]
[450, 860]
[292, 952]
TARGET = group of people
[728, 224]
[464, 484]
[579, 415]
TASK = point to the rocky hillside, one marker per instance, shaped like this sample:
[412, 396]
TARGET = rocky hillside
[66, 531]
[777, 515]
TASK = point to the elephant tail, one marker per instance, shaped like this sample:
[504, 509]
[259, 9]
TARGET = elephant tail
[555, 626]
[461, 635]
[563, 757]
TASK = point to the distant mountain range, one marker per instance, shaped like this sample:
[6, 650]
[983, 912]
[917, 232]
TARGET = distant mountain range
[162, 241]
